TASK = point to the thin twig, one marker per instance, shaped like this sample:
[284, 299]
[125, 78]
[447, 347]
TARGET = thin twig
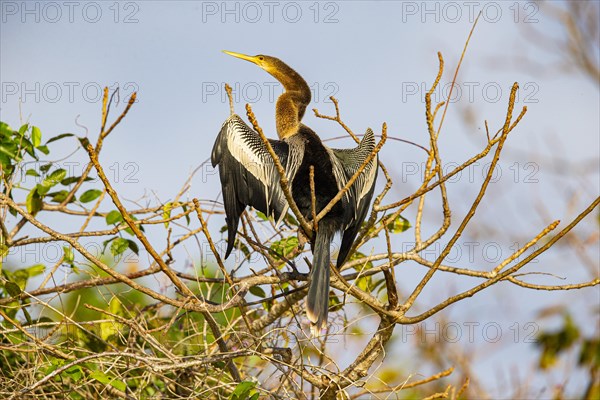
[313, 198]
[230, 97]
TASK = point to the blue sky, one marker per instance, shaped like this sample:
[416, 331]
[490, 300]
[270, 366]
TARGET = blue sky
[377, 58]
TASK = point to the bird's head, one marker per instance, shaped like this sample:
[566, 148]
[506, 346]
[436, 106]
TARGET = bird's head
[290, 79]
[268, 63]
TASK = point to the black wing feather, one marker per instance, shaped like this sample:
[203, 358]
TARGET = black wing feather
[361, 191]
[248, 174]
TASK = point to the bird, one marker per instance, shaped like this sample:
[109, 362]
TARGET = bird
[249, 177]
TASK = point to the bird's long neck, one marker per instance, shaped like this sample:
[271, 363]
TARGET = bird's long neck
[293, 83]
[292, 104]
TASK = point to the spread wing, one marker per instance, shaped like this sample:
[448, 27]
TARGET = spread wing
[248, 174]
[361, 192]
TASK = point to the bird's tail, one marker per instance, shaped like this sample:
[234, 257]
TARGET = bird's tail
[317, 302]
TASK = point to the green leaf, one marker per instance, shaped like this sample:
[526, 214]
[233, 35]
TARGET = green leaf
[118, 246]
[43, 319]
[9, 150]
[36, 136]
[398, 225]
[118, 384]
[44, 149]
[555, 342]
[27, 316]
[54, 178]
[31, 172]
[242, 390]
[62, 135]
[44, 168]
[57, 176]
[106, 242]
[364, 283]
[284, 247]
[12, 289]
[6, 165]
[23, 129]
[187, 216]
[167, 213]
[335, 304]
[5, 129]
[49, 369]
[68, 254]
[43, 189]
[75, 372]
[105, 379]
[133, 246]
[258, 291]
[290, 220]
[58, 197]
[113, 217]
[109, 328]
[20, 277]
[72, 179]
[590, 353]
[90, 195]
[36, 269]
[26, 145]
[33, 201]
[115, 306]
[262, 216]
[3, 250]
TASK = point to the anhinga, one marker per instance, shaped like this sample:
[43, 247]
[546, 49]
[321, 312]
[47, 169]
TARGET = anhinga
[249, 177]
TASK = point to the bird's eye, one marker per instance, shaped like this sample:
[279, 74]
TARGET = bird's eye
[261, 58]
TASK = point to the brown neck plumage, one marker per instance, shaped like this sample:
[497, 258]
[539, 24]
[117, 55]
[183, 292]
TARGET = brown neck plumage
[292, 104]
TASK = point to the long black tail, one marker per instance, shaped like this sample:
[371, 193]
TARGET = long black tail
[317, 302]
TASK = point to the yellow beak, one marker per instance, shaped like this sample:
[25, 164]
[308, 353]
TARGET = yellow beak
[252, 59]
